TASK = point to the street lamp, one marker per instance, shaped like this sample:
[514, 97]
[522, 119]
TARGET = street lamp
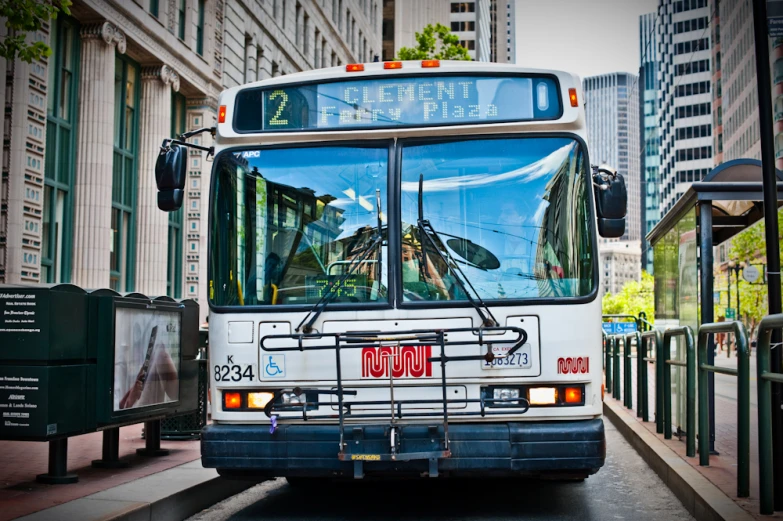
[736, 267]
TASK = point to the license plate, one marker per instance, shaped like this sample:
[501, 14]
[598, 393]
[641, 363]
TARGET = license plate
[520, 359]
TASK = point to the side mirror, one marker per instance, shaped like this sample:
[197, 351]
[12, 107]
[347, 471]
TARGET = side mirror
[170, 174]
[611, 200]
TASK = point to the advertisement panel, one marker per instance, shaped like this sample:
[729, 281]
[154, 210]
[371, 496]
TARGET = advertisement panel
[146, 357]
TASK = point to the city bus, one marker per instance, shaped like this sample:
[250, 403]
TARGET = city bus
[403, 274]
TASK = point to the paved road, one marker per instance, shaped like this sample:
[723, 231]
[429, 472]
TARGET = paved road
[626, 488]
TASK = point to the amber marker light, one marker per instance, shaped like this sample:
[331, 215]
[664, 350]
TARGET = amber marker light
[392, 65]
[603, 391]
[354, 67]
[573, 395]
[232, 400]
[428, 64]
[222, 114]
[572, 97]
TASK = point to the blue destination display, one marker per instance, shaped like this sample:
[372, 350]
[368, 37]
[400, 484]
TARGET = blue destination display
[397, 102]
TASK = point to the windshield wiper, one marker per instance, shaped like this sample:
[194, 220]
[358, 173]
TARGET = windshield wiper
[429, 232]
[306, 325]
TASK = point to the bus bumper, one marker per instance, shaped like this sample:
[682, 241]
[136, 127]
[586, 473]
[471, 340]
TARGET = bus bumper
[556, 448]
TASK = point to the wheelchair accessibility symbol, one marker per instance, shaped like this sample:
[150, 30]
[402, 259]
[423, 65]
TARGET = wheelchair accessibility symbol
[274, 366]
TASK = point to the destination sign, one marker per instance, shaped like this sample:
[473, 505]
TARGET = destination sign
[397, 102]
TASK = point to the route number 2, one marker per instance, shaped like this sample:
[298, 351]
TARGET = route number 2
[283, 101]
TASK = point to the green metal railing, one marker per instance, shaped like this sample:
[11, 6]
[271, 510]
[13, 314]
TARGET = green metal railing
[627, 372]
[690, 386]
[616, 366]
[743, 398]
[655, 335]
[764, 386]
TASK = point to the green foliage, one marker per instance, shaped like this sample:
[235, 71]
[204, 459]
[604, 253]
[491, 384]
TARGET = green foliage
[23, 17]
[749, 246]
[435, 42]
[632, 298]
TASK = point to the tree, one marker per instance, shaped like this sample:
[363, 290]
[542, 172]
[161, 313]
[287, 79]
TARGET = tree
[23, 17]
[635, 296]
[435, 42]
[749, 246]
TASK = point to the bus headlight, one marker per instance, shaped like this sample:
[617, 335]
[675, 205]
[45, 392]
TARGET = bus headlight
[542, 395]
[291, 398]
[258, 400]
[508, 396]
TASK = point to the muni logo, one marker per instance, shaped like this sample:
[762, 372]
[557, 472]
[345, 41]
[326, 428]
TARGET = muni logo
[577, 364]
[406, 361]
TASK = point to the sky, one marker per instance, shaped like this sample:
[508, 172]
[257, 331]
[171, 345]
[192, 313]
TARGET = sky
[586, 37]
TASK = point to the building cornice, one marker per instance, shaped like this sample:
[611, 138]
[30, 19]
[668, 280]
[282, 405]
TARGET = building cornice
[137, 32]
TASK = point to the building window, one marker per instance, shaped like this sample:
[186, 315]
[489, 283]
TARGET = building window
[181, 19]
[154, 9]
[60, 157]
[200, 28]
[174, 257]
[123, 197]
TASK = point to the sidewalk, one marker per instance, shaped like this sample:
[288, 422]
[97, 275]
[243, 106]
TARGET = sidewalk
[20, 494]
[722, 471]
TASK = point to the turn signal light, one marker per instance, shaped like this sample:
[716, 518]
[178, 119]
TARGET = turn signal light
[427, 64]
[603, 391]
[354, 67]
[232, 400]
[392, 65]
[572, 97]
[222, 114]
[573, 395]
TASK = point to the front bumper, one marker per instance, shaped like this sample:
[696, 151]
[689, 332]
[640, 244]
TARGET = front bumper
[519, 448]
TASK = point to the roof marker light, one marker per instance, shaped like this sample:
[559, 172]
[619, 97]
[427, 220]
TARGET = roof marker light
[392, 65]
[354, 67]
[572, 97]
[427, 64]
[222, 114]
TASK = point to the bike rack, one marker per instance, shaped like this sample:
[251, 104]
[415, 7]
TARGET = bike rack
[485, 336]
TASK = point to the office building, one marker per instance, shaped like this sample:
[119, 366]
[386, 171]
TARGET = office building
[619, 263]
[613, 136]
[503, 31]
[647, 90]
[402, 19]
[685, 96]
[83, 128]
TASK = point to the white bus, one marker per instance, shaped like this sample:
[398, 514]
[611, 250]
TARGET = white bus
[403, 273]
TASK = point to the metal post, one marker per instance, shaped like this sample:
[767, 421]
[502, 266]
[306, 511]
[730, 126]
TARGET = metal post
[764, 387]
[640, 365]
[736, 277]
[152, 440]
[616, 368]
[743, 409]
[667, 390]
[110, 455]
[707, 308]
[660, 411]
[608, 364]
[764, 83]
[58, 465]
[627, 394]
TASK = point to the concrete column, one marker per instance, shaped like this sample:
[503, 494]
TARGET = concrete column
[151, 223]
[251, 67]
[92, 189]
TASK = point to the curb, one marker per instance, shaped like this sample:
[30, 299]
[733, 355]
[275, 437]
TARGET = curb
[173, 494]
[699, 496]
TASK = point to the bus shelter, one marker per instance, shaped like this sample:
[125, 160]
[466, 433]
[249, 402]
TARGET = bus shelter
[727, 201]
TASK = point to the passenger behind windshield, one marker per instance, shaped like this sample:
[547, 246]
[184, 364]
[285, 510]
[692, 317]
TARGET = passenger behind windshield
[288, 222]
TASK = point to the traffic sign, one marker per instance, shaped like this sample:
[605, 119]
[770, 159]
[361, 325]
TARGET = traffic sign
[730, 313]
[751, 274]
[619, 328]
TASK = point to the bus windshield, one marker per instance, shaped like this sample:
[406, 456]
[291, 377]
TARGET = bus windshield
[509, 215]
[287, 224]
[512, 214]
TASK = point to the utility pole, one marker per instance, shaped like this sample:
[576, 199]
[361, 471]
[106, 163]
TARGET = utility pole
[764, 84]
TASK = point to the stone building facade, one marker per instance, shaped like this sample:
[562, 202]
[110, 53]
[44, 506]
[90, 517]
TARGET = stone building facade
[82, 129]
[619, 264]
